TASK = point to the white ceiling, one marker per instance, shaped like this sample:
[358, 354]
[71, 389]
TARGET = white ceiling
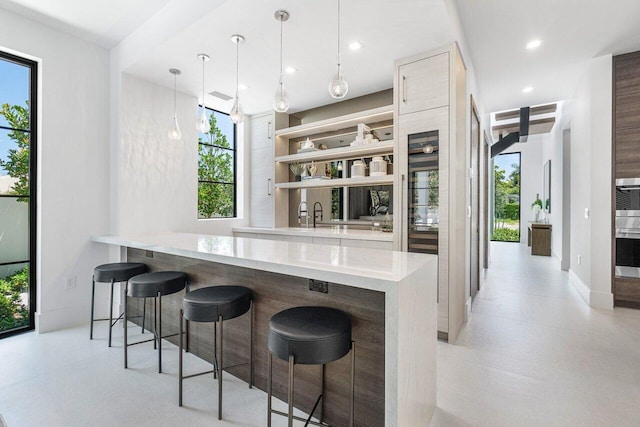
[388, 29]
[572, 32]
[105, 22]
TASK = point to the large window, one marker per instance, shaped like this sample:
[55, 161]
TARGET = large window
[217, 168]
[17, 193]
[506, 215]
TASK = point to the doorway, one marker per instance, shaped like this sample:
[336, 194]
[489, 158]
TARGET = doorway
[474, 194]
[18, 89]
[506, 193]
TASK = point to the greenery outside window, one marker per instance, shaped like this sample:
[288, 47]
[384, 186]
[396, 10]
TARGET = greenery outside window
[506, 215]
[217, 168]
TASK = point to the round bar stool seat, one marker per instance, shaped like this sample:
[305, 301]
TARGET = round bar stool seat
[156, 283]
[309, 336]
[153, 285]
[111, 273]
[118, 271]
[210, 303]
[215, 304]
[313, 335]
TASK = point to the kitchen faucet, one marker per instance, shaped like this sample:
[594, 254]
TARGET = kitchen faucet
[301, 211]
[315, 213]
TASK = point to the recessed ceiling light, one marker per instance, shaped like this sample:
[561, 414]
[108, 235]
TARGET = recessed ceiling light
[534, 44]
[527, 89]
[243, 87]
[355, 45]
[290, 69]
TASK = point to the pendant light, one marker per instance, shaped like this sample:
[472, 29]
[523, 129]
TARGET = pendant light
[174, 133]
[236, 115]
[203, 122]
[281, 100]
[338, 87]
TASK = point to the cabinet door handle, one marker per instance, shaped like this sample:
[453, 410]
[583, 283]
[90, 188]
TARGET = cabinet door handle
[268, 186]
[404, 89]
[268, 130]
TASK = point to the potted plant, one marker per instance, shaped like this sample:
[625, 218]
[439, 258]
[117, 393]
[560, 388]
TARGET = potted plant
[536, 206]
[296, 169]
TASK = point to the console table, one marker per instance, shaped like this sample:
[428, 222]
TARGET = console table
[539, 238]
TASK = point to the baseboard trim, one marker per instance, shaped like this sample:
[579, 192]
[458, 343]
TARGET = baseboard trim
[594, 299]
[59, 319]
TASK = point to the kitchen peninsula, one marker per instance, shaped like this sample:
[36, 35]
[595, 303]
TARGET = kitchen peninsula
[390, 295]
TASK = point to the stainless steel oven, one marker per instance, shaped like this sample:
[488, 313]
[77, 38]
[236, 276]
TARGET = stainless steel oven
[628, 227]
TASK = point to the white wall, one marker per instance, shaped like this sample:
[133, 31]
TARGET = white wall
[591, 147]
[552, 150]
[158, 178]
[73, 181]
[530, 178]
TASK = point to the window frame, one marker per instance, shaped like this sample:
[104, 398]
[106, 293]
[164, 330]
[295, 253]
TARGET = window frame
[233, 150]
[33, 180]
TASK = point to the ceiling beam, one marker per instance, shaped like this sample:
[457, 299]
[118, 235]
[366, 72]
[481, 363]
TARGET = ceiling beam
[535, 111]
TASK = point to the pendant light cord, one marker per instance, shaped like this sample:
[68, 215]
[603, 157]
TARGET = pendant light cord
[281, 70]
[237, 64]
[203, 61]
[175, 96]
[338, 38]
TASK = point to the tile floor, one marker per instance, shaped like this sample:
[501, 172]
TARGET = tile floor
[532, 354]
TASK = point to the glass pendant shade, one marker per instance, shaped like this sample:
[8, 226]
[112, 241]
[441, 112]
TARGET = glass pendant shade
[203, 122]
[338, 87]
[202, 125]
[236, 114]
[281, 100]
[174, 132]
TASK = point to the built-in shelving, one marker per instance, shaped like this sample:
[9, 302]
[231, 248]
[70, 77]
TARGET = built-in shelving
[335, 124]
[342, 153]
[338, 182]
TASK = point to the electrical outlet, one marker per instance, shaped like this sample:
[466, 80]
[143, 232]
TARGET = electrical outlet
[70, 282]
[148, 254]
[579, 259]
[318, 286]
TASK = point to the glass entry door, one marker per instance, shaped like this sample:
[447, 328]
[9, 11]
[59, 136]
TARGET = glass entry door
[17, 193]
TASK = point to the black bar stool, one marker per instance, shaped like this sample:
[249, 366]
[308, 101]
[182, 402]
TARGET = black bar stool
[309, 336]
[111, 273]
[153, 285]
[215, 304]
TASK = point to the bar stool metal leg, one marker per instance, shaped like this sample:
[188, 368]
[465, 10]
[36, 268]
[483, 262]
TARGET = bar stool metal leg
[155, 322]
[159, 333]
[144, 312]
[251, 347]
[180, 361]
[110, 312]
[290, 397]
[93, 292]
[215, 351]
[353, 378]
[269, 391]
[220, 373]
[125, 324]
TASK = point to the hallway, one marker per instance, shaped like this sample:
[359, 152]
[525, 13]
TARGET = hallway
[533, 353]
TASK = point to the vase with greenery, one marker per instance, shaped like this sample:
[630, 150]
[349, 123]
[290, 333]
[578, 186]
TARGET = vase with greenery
[536, 206]
[296, 170]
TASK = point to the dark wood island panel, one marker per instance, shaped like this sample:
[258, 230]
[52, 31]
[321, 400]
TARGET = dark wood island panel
[272, 293]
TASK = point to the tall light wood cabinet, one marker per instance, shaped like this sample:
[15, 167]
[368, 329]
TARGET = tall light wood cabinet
[262, 175]
[430, 102]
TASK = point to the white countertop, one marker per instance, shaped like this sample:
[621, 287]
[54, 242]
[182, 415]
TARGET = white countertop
[360, 267]
[336, 232]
